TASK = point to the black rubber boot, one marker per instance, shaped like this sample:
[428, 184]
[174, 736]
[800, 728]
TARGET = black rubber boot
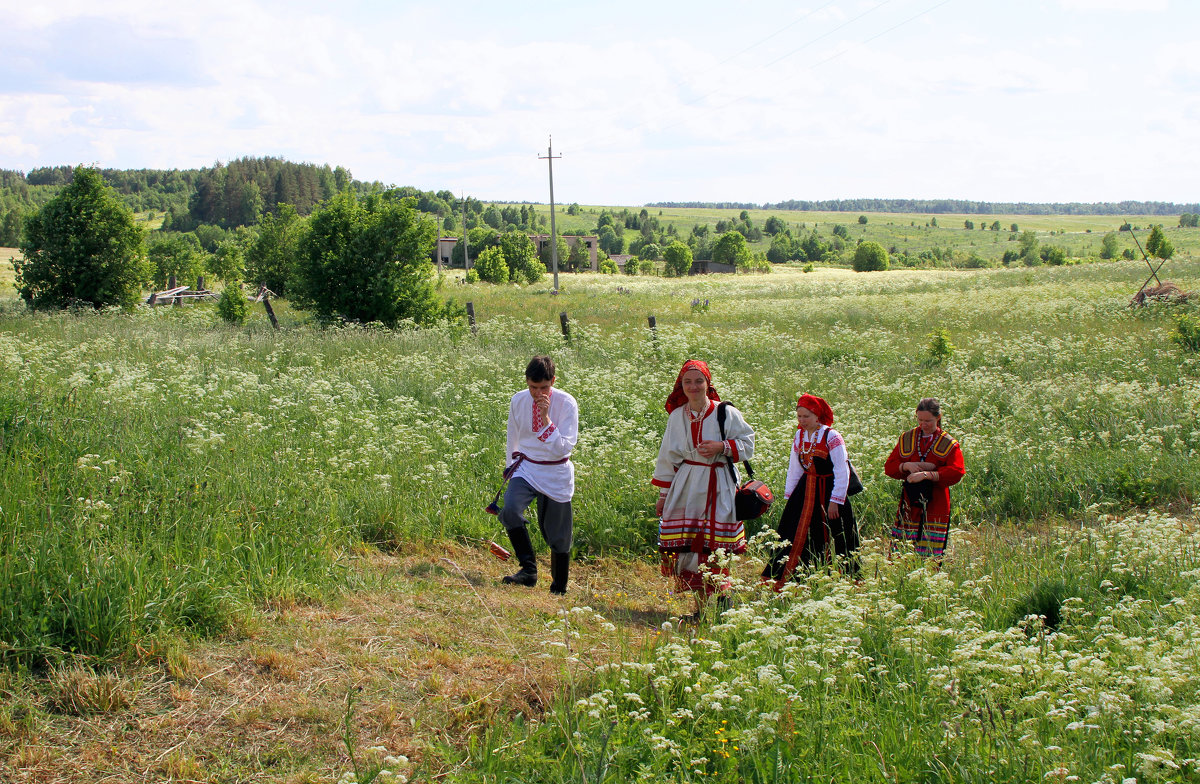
[560, 567]
[523, 548]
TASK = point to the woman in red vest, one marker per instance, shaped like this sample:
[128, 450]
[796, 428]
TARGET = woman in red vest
[928, 462]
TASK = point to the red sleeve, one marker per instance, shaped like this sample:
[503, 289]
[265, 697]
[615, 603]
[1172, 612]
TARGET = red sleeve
[953, 469]
[892, 466]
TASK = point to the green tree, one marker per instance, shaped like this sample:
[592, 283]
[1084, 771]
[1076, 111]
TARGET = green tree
[1054, 255]
[731, 248]
[968, 224]
[368, 260]
[479, 239]
[82, 247]
[1154, 240]
[1029, 247]
[870, 256]
[271, 257]
[521, 257]
[650, 252]
[862, 220]
[610, 242]
[781, 248]
[491, 267]
[774, 225]
[228, 262]
[578, 258]
[563, 253]
[175, 254]
[10, 229]
[1108, 246]
[678, 259]
[492, 217]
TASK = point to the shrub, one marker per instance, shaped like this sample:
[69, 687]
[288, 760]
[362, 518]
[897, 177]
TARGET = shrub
[232, 307]
[940, 348]
[368, 259]
[1187, 332]
[608, 266]
[632, 266]
[472, 276]
[870, 256]
[1054, 256]
[491, 266]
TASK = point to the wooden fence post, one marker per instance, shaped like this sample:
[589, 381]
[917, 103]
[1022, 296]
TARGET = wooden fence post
[653, 331]
[270, 312]
[471, 318]
[566, 326]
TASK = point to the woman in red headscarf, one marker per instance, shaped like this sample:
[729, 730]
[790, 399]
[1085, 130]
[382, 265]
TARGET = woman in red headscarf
[696, 492]
[928, 461]
[817, 517]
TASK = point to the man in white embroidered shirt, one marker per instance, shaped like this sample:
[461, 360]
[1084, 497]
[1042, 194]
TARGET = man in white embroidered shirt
[543, 425]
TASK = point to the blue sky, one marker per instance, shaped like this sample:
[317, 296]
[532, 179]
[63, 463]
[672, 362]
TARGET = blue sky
[1059, 100]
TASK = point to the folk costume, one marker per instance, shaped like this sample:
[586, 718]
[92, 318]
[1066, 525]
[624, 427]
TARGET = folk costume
[698, 516]
[923, 515]
[818, 472]
[540, 470]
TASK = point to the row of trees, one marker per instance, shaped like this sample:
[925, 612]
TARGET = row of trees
[951, 206]
[360, 258]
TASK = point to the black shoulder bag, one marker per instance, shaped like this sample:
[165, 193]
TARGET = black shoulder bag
[753, 498]
[855, 485]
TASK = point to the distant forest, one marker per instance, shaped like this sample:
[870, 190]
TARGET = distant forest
[949, 206]
[227, 195]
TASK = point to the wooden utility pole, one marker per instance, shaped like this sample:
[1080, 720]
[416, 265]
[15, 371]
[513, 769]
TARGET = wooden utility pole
[466, 250]
[549, 158]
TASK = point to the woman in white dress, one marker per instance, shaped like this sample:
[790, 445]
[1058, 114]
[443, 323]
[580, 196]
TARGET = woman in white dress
[696, 492]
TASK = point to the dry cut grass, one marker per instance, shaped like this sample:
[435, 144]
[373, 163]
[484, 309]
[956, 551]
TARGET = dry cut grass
[7, 273]
[432, 649]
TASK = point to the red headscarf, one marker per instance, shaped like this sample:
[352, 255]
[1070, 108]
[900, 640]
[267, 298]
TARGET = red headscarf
[819, 407]
[677, 398]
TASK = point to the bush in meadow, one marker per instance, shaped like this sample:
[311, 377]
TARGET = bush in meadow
[232, 307]
[491, 266]
[870, 256]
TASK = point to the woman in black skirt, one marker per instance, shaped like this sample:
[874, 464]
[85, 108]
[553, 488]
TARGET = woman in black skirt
[817, 521]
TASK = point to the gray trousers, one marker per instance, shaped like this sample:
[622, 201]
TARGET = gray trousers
[554, 517]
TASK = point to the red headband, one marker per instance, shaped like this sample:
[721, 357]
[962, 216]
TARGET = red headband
[677, 398]
[819, 407]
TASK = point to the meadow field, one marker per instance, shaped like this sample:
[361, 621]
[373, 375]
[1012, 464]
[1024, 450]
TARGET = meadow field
[912, 233]
[173, 484]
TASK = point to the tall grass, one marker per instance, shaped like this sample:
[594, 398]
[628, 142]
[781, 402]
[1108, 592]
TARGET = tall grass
[163, 472]
[1069, 658]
